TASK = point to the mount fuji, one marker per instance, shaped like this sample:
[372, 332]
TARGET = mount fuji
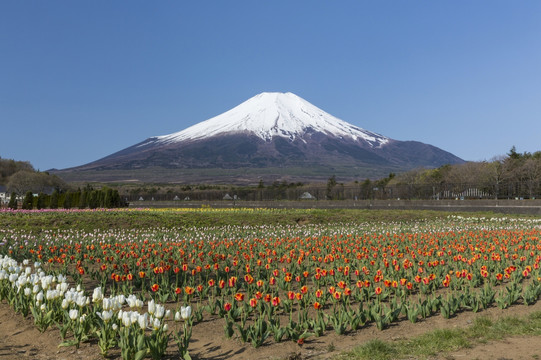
[271, 136]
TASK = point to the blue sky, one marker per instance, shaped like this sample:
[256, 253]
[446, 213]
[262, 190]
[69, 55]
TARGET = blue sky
[81, 80]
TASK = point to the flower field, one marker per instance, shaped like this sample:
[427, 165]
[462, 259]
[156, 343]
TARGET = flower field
[140, 293]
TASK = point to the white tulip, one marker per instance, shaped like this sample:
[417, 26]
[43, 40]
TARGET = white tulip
[81, 301]
[185, 312]
[143, 321]
[51, 294]
[160, 311]
[63, 287]
[134, 317]
[151, 307]
[126, 319]
[107, 303]
[132, 301]
[107, 315]
[121, 299]
[13, 278]
[73, 314]
[118, 301]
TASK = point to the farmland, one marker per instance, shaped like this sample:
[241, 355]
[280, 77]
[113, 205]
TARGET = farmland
[246, 283]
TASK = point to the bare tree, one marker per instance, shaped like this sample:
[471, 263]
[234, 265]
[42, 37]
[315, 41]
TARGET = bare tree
[36, 182]
[531, 173]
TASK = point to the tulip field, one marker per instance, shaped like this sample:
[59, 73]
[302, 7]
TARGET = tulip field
[139, 293]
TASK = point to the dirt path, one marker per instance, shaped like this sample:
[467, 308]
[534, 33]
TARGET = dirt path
[19, 339]
[517, 348]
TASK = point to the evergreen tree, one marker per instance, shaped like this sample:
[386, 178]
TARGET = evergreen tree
[116, 201]
[41, 202]
[83, 199]
[366, 189]
[93, 199]
[68, 200]
[55, 197]
[28, 201]
[75, 198]
[331, 183]
[13, 201]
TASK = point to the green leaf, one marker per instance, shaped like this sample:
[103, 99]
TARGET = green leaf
[306, 335]
[141, 354]
[141, 342]
[68, 343]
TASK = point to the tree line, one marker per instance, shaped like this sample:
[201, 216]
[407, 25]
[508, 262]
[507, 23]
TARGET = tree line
[32, 189]
[80, 199]
[514, 175]
[20, 177]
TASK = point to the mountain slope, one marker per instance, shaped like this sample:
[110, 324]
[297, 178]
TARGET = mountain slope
[275, 133]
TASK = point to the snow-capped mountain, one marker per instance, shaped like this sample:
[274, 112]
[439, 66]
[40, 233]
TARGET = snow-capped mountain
[273, 136]
[269, 115]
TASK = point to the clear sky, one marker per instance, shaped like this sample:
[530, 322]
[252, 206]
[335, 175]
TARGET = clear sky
[80, 80]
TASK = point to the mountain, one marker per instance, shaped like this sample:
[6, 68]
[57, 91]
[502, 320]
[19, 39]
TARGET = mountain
[271, 136]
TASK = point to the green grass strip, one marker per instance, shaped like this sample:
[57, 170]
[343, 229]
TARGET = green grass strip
[187, 218]
[439, 341]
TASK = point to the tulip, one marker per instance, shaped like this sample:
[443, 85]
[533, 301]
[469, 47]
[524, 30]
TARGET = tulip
[142, 320]
[97, 295]
[186, 312]
[73, 314]
[253, 302]
[156, 324]
[160, 311]
[151, 307]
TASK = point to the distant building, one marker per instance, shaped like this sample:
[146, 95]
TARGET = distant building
[470, 193]
[307, 196]
[4, 196]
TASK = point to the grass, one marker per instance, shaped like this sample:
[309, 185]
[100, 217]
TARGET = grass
[483, 330]
[207, 217]
[178, 218]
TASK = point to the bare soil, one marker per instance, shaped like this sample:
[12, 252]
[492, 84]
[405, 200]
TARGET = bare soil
[19, 339]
